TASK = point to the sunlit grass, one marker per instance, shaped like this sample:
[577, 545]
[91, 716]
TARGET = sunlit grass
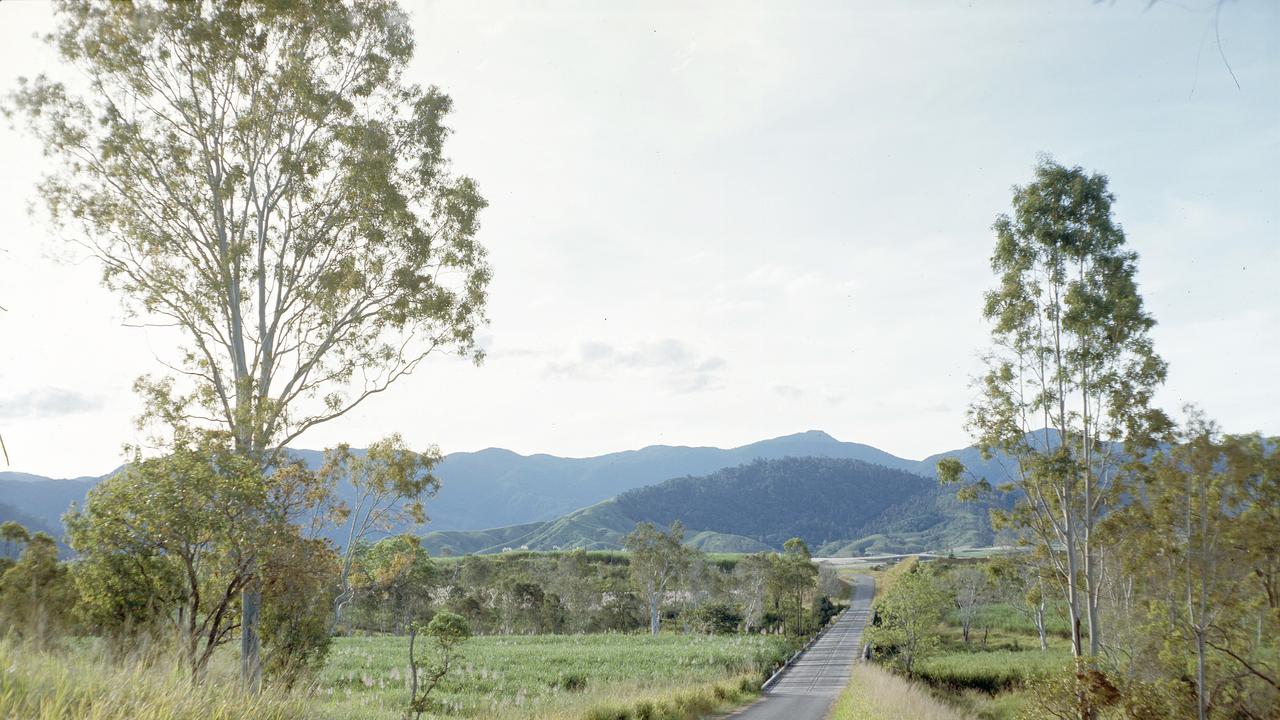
[877, 694]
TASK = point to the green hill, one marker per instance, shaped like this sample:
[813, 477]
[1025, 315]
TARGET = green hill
[838, 506]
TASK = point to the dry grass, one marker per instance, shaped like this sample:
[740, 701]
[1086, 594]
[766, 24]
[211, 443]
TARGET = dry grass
[84, 683]
[877, 694]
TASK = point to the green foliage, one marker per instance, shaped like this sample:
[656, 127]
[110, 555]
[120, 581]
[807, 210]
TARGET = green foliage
[989, 671]
[793, 577]
[37, 595]
[298, 576]
[14, 536]
[392, 584]
[1202, 538]
[907, 616]
[174, 539]
[658, 559]
[717, 618]
[446, 632]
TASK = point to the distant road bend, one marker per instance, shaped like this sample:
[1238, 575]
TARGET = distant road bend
[808, 688]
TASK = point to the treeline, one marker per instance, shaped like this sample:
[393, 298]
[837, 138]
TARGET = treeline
[161, 555]
[396, 583]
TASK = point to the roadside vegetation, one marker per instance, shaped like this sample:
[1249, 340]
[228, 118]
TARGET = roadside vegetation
[1146, 582]
[875, 693]
[660, 632]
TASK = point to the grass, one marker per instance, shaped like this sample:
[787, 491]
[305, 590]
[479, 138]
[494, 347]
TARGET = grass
[566, 677]
[87, 684]
[556, 676]
[991, 672]
[877, 694]
[1004, 616]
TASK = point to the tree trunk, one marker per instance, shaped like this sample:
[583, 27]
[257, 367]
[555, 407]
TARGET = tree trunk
[654, 619]
[250, 650]
[1040, 628]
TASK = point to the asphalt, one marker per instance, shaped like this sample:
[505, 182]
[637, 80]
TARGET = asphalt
[807, 689]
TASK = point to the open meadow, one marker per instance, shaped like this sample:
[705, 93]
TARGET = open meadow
[549, 676]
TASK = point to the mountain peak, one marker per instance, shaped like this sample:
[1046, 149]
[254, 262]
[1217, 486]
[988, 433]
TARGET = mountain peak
[810, 436]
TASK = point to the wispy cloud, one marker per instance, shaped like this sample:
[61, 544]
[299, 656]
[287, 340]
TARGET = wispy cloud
[674, 364]
[47, 402]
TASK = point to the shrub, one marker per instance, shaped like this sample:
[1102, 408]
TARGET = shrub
[716, 618]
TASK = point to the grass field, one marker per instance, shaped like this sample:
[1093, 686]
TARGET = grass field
[547, 677]
[550, 676]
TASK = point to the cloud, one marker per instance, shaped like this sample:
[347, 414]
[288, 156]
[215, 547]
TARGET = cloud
[674, 364]
[47, 402]
[789, 392]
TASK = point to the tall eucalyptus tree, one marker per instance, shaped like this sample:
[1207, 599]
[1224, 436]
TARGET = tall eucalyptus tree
[263, 177]
[1070, 375]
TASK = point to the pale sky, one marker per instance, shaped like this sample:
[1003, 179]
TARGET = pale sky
[713, 223]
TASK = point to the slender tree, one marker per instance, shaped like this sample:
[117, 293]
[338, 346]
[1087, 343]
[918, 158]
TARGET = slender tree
[793, 577]
[657, 561]
[389, 483]
[1067, 394]
[262, 177]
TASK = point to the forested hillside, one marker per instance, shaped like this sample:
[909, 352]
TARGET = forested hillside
[838, 506]
[816, 499]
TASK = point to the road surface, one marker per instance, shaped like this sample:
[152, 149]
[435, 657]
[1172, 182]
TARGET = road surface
[808, 688]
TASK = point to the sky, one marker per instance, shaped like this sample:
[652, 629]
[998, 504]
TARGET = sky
[714, 223]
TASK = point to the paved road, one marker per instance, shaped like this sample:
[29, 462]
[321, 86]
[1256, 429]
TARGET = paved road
[808, 688]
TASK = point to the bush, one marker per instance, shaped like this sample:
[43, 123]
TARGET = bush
[716, 618]
[571, 682]
[36, 594]
[298, 576]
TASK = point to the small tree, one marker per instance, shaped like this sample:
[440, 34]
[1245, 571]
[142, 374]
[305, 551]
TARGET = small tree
[1197, 520]
[792, 578]
[447, 632]
[970, 588]
[1020, 581]
[190, 526]
[908, 616]
[36, 594]
[751, 576]
[14, 536]
[390, 483]
[657, 559]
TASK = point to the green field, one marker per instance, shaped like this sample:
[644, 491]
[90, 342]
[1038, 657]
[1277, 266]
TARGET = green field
[548, 676]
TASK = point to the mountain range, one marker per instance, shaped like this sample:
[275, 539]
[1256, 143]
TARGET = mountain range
[520, 494]
[838, 506]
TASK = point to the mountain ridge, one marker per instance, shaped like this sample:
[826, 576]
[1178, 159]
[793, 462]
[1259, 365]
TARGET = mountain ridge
[495, 487]
[757, 506]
